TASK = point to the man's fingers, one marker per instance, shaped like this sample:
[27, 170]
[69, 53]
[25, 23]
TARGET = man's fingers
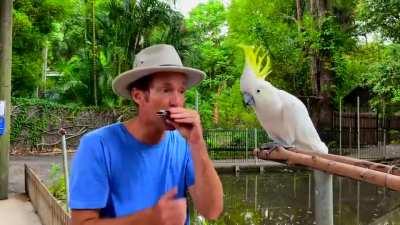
[182, 115]
[181, 202]
[186, 120]
[170, 210]
[177, 109]
[178, 208]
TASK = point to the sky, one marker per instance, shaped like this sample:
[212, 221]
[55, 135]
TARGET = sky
[184, 6]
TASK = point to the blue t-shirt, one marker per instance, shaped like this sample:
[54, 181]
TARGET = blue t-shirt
[116, 173]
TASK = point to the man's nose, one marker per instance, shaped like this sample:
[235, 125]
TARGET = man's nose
[176, 99]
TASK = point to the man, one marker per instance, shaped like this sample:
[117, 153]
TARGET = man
[138, 172]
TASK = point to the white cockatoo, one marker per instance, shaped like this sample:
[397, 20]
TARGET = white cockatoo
[283, 116]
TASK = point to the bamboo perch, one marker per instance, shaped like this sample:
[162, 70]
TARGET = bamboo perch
[317, 162]
[356, 162]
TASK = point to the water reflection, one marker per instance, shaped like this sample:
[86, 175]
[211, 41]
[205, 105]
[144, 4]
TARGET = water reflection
[287, 197]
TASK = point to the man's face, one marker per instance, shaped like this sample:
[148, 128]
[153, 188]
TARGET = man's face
[167, 89]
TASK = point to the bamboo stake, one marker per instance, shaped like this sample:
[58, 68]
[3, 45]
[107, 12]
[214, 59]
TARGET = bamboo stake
[330, 166]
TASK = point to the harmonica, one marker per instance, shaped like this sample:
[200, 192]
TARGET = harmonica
[165, 114]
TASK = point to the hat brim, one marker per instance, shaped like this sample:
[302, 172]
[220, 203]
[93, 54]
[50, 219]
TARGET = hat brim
[121, 83]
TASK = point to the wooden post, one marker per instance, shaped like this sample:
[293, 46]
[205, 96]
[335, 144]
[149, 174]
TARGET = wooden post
[5, 90]
[350, 138]
[316, 162]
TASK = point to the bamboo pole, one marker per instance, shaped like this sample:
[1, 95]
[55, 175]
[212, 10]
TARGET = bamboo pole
[355, 162]
[314, 161]
[63, 133]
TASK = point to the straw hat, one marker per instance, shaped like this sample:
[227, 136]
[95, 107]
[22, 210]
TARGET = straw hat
[156, 58]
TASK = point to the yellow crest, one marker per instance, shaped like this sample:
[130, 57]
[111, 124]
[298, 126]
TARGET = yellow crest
[258, 59]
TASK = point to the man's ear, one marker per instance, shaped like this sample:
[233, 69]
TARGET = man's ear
[137, 95]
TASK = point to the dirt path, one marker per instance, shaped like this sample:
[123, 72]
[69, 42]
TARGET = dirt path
[17, 210]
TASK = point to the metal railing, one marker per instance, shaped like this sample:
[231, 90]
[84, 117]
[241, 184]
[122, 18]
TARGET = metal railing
[237, 144]
[46, 206]
[234, 143]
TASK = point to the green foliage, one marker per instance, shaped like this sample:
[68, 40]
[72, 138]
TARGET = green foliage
[272, 25]
[57, 183]
[32, 119]
[381, 17]
[394, 136]
[123, 29]
[383, 75]
[207, 39]
[232, 110]
[25, 118]
[33, 22]
[207, 48]
[350, 68]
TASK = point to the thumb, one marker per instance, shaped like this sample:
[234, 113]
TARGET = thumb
[170, 194]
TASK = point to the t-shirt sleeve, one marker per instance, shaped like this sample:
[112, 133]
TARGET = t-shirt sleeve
[89, 185]
[190, 177]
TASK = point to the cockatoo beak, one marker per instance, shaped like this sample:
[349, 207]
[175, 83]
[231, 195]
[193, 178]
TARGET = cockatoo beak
[248, 99]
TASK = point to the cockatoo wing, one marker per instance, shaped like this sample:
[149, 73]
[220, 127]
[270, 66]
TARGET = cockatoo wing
[298, 122]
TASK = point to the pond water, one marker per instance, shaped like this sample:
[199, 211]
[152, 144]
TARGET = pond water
[287, 197]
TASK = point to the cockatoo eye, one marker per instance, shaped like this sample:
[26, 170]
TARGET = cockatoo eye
[258, 90]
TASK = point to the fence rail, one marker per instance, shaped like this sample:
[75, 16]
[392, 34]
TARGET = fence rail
[46, 206]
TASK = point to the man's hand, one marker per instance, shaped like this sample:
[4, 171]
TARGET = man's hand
[188, 123]
[169, 210]
[207, 191]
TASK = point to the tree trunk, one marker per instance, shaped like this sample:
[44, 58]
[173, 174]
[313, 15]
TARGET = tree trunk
[299, 15]
[216, 108]
[42, 93]
[94, 52]
[320, 73]
[5, 90]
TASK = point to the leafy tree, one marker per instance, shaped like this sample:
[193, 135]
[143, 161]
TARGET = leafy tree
[126, 27]
[232, 109]
[207, 48]
[381, 16]
[33, 22]
[271, 24]
[383, 75]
